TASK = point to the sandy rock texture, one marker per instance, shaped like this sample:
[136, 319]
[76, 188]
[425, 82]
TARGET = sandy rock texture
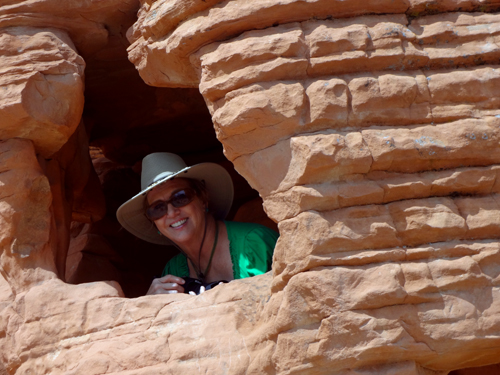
[373, 140]
[42, 78]
[42, 81]
[370, 129]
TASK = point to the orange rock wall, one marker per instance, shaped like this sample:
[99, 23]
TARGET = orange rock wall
[373, 141]
[369, 129]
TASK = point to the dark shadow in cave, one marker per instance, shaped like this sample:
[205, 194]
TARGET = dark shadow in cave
[126, 120]
[484, 370]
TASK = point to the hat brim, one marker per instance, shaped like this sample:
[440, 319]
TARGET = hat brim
[220, 189]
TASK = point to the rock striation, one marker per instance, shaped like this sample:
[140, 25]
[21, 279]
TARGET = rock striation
[370, 130]
[42, 81]
[373, 141]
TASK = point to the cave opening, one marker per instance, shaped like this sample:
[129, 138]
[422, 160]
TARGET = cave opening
[126, 120]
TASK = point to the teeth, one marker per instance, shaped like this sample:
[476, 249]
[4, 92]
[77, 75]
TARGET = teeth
[178, 223]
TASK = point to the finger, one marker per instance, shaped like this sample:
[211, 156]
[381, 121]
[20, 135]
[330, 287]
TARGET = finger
[157, 287]
[167, 291]
[170, 285]
[173, 286]
[171, 279]
[161, 291]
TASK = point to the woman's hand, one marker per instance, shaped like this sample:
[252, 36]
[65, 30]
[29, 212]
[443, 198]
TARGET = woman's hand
[166, 285]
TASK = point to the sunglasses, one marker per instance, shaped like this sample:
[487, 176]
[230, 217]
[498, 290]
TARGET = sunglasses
[159, 208]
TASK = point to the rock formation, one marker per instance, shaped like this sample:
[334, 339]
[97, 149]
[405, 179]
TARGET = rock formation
[371, 132]
[373, 140]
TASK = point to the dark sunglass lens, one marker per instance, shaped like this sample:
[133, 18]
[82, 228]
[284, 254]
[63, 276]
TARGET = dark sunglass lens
[160, 208]
[156, 210]
[181, 198]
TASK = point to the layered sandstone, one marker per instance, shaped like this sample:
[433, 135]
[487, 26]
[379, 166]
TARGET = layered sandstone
[373, 142]
[42, 81]
[370, 131]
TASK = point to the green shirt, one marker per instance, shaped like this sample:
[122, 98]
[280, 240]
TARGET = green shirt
[251, 247]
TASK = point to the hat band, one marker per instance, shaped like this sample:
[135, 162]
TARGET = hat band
[159, 178]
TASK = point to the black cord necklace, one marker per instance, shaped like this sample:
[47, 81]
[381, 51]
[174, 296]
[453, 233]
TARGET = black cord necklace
[199, 274]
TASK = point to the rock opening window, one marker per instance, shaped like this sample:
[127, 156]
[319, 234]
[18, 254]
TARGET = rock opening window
[103, 250]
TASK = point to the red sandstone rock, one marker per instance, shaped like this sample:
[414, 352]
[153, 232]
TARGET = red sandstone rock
[340, 125]
[42, 96]
[26, 247]
[377, 157]
[85, 21]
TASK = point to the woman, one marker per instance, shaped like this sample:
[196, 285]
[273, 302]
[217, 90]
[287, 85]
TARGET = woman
[185, 206]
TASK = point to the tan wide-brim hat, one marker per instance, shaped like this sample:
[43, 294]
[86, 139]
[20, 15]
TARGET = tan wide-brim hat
[160, 167]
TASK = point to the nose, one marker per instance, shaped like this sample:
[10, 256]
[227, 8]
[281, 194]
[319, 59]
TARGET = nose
[171, 210]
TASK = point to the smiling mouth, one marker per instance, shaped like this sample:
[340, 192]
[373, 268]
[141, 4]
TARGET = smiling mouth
[177, 224]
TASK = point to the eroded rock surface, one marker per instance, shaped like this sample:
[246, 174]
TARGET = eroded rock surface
[372, 139]
[42, 87]
[373, 142]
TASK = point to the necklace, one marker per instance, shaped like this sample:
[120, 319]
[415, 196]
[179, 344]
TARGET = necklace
[202, 275]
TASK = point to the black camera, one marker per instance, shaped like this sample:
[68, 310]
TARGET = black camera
[194, 285]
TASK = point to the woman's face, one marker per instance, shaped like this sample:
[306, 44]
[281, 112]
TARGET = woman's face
[181, 224]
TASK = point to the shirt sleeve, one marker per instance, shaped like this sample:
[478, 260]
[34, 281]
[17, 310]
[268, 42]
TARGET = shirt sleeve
[176, 266]
[257, 255]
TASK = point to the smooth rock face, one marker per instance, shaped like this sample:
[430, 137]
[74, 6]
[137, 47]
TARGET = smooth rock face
[373, 141]
[42, 87]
